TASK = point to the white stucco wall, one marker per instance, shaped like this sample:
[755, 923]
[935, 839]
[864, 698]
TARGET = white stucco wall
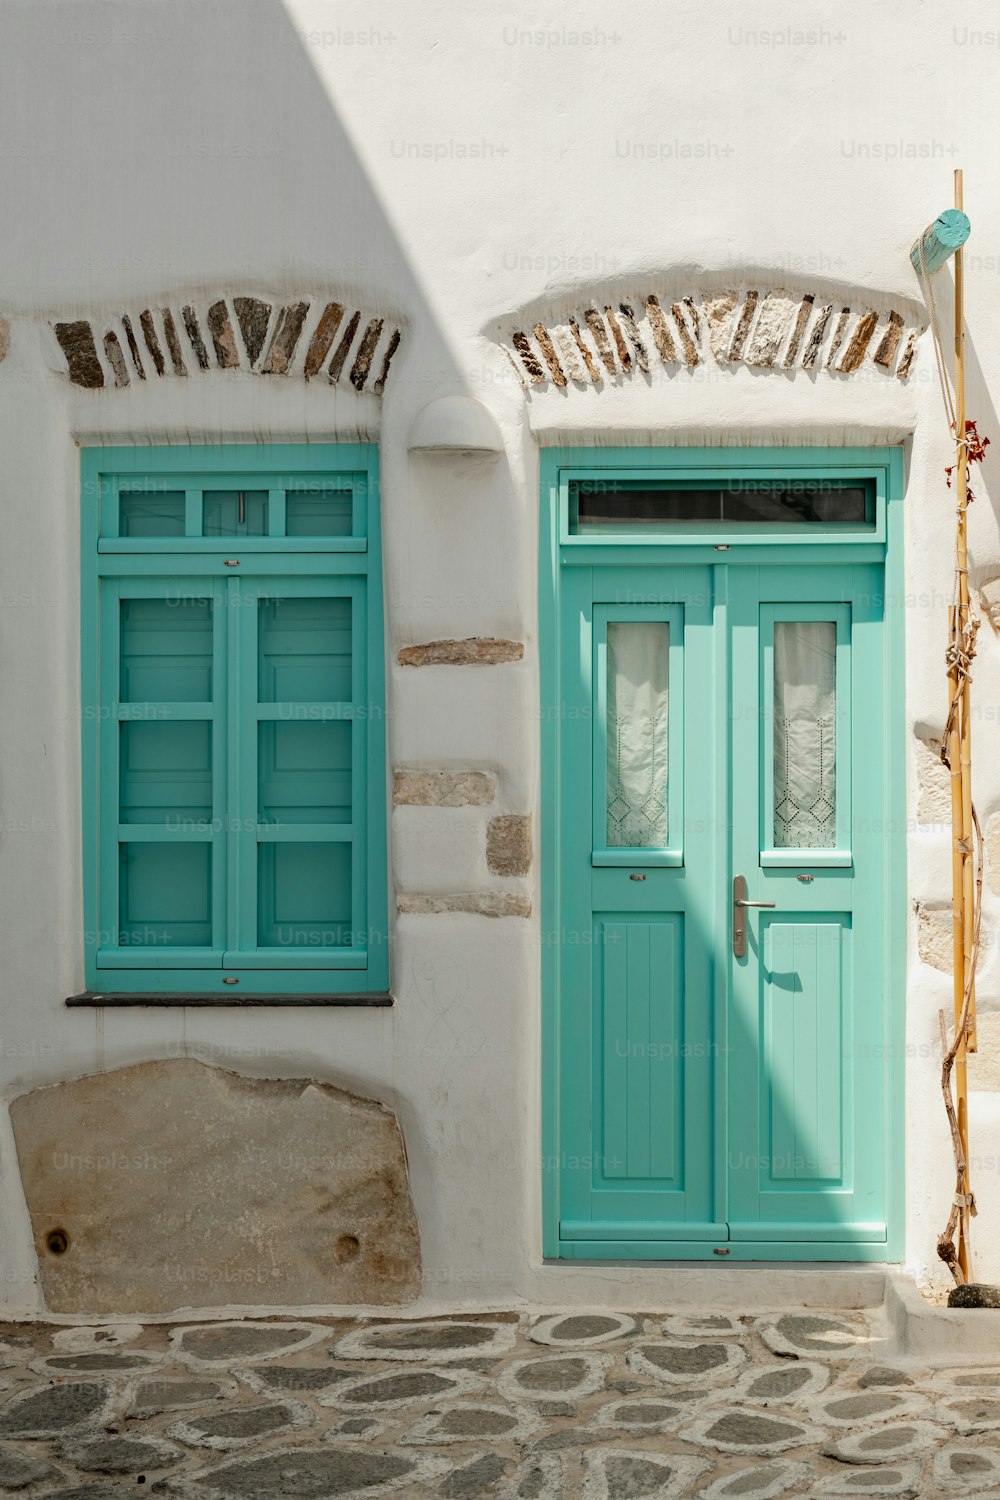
[450, 163]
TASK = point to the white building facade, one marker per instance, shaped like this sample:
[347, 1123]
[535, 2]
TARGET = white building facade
[470, 269]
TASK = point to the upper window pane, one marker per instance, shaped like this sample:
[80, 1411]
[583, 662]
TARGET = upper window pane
[805, 734]
[610, 504]
[638, 661]
[234, 513]
[142, 513]
[321, 510]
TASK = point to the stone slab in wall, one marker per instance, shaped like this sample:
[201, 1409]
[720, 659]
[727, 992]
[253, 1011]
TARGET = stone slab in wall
[508, 844]
[934, 784]
[443, 788]
[179, 1185]
[984, 1064]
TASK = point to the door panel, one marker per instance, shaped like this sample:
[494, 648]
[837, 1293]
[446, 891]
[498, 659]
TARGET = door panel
[639, 1000]
[807, 1011]
[802, 975]
[637, 1085]
[723, 721]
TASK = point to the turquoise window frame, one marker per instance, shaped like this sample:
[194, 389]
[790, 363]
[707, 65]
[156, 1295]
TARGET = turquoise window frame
[338, 566]
[671, 615]
[560, 552]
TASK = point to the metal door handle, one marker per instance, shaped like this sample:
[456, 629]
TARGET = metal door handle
[739, 920]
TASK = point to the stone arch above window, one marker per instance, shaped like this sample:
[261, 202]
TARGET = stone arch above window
[602, 339]
[316, 338]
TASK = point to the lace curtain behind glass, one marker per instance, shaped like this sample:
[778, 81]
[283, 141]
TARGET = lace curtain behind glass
[637, 734]
[805, 734]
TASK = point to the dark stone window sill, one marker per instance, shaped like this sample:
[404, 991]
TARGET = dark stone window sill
[97, 998]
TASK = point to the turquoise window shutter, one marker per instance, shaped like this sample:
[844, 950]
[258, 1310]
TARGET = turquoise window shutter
[234, 710]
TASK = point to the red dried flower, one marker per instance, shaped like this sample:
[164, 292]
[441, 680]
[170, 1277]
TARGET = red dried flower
[975, 447]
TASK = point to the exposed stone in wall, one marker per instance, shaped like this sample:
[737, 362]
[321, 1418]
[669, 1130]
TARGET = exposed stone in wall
[173, 342]
[766, 329]
[477, 903]
[585, 354]
[152, 341]
[116, 359]
[194, 334]
[934, 936]
[133, 347]
[934, 939]
[387, 357]
[223, 337]
[816, 337]
[444, 788]
[343, 348]
[719, 315]
[801, 319]
[621, 349]
[323, 337]
[984, 1064]
[838, 337]
[599, 334]
[743, 324]
[180, 1185]
[508, 844]
[688, 348]
[305, 323]
[860, 339]
[284, 339]
[886, 351]
[989, 602]
[77, 343]
[366, 353]
[477, 651]
[933, 783]
[253, 316]
[992, 840]
[4, 339]
[773, 321]
[907, 356]
[662, 337]
[570, 356]
[631, 328]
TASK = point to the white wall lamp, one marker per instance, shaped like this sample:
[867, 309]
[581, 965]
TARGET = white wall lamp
[456, 424]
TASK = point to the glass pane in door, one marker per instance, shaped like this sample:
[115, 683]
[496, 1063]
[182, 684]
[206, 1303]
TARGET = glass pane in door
[637, 664]
[805, 734]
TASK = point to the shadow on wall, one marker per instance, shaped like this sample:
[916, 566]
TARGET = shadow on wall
[189, 151]
[196, 151]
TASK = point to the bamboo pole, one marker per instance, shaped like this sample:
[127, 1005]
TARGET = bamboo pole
[960, 754]
[941, 239]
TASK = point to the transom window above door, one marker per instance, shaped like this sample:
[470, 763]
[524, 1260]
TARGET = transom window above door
[234, 747]
[607, 507]
[203, 511]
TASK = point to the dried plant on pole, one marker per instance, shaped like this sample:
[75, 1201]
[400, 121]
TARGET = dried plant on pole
[942, 239]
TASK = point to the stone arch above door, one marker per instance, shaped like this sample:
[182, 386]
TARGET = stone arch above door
[602, 339]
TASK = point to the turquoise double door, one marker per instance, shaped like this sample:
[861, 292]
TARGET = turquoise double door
[722, 1020]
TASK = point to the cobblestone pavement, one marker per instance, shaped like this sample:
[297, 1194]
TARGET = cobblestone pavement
[596, 1405]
